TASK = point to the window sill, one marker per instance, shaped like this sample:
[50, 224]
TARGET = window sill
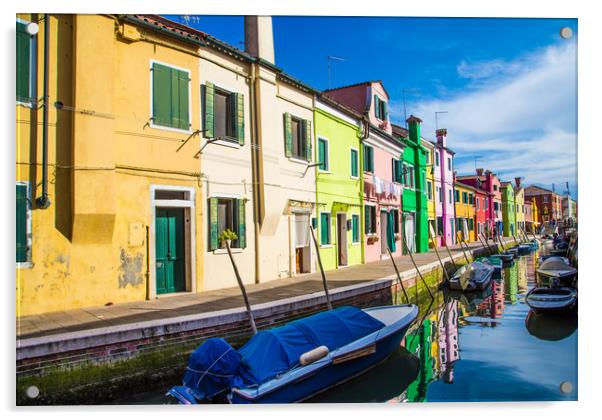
[320, 171]
[223, 251]
[167, 128]
[27, 264]
[228, 143]
[355, 243]
[298, 160]
[327, 246]
[354, 177]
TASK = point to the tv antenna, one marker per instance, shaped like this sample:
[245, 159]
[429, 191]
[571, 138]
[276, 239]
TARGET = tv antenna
[436, 118]
[403, 94]
[328, 60]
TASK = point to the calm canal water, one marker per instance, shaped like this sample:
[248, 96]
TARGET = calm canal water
[479, 347]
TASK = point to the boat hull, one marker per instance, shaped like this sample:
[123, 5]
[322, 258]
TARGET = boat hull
[551, 304]
[329, 375]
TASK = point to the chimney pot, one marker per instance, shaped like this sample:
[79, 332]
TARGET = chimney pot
[517, 179]
[479, 171]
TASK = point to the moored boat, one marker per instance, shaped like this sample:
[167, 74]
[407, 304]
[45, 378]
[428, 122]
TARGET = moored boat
[551, 300]
[473, 276]
[493, 261]
[507, 259]
[556, 271]
[298, 360]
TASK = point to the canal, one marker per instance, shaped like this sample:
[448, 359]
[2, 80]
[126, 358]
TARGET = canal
[484, 346]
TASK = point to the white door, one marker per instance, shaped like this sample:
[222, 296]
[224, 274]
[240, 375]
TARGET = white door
[409, 230]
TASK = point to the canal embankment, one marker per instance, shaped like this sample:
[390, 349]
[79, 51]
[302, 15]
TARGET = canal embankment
[92, 355]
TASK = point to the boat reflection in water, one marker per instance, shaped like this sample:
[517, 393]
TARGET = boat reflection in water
[551, 327]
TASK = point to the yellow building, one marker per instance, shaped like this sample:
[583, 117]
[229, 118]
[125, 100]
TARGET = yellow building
[430, 187]
[122, 164]
[465, 210]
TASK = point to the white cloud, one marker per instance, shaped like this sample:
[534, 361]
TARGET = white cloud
[519, 116]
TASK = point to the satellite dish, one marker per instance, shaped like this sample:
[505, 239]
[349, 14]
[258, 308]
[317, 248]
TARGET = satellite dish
[32, 28]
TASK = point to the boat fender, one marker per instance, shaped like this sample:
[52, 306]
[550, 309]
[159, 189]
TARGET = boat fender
[313, 355]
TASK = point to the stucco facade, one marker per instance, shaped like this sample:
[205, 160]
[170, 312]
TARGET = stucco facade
[464, 197]
[94, 244]
[508, 209]
[431, 195]
[444, 173]
[339, 183]
[519, 200]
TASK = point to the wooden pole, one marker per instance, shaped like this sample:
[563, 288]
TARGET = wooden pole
[490, 250]
[242, 289]
[499, 238]
[516, 242]
[416, 267]
[450, 256]
[461, 247]
[483, 243]
[324, 284]
[432, 237]
[398, 276]
[468, 248]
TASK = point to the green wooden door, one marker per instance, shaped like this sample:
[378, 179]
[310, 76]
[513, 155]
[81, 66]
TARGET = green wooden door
[169, 251]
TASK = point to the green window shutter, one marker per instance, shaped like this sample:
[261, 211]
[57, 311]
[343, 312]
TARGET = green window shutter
[213, 233]
[324, 229]
[21, 227]
[179, 97]
[242, 230]
[376, 107]
[322, 154]
[355, 221]
[208, 122]
[23, 64]
[240, 119]
[384, 115]
[288, 135]
[371, 159]
[367, 219]
[354, 164]
[307, 133]
[162, 95]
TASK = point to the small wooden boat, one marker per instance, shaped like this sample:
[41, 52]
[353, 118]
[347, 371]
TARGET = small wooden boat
[507, 259]
[564, 260]
[524, 249]
[555, 271]
[551, 300]
[298, 360]
[495, 262]
[473, 276]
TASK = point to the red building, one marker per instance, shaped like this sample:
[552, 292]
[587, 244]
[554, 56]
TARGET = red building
[481, 207]
[549, 204]
[489, 184]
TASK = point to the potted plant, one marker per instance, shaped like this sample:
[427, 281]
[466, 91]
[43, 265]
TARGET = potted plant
[397, 237]
[227, 236]
[372, 239]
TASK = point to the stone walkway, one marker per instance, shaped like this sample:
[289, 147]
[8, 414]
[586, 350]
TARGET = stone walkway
[188, 304]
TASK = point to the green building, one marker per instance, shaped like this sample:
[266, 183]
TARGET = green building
[414, 201]
[339, 184]
[419, 342]
[508, 209]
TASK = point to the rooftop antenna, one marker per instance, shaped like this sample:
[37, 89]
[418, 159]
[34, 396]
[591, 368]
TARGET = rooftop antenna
[476, 158]
[329, 59]
[436, 118]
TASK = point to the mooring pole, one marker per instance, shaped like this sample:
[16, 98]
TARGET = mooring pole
[242, 289]
[461, 247]
[486, 247]
[416, 267]
[516, 242]
[469, 251]
[490, 250]
[450, 256]
[324, 284]
[501, 241]
[437, 252]
[398, 276]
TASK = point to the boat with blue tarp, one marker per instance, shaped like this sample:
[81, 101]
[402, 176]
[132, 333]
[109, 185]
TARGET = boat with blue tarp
[295, 361]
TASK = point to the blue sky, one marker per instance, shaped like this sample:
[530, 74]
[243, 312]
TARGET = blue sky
[508, 85]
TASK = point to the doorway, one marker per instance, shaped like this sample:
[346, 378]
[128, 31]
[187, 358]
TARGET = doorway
[383, 231]
[302, 247]
[409, 229]
[342, 238]
[170, 254]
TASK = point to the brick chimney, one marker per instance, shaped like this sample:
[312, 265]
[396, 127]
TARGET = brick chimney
[441, 135]
[479, 171]
[259, 37]
[517, 180]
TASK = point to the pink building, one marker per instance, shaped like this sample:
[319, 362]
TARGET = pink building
[444, 176]
[489, 182]
[449, 350]
[381, 156]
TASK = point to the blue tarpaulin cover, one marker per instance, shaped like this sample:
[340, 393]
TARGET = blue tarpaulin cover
[277, 350]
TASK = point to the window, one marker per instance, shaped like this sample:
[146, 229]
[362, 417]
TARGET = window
[398, 169]
[354, 163]
[368, 158]
[370, 219]
[495, 188]
[439, 226]
[496, 206]
[546, 199]
[470, 224]
[23, 223]
[464, 197]
[355, 228]
[449, 163]
[457, 192]
[436, 158]
[325, 236]
[170, 97]
[226, 213]
[380, 108]
[478, 206]
[25, 65]
[323, 158]
[470, 199]
[297, 137]
[440, 194]
[223, 114]
[429, 188]
[427, 156]
[450, 196]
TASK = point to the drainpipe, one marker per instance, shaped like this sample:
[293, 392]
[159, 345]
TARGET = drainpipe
[254, 167]
[445, 197]
[366, 133]
[43, 201]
